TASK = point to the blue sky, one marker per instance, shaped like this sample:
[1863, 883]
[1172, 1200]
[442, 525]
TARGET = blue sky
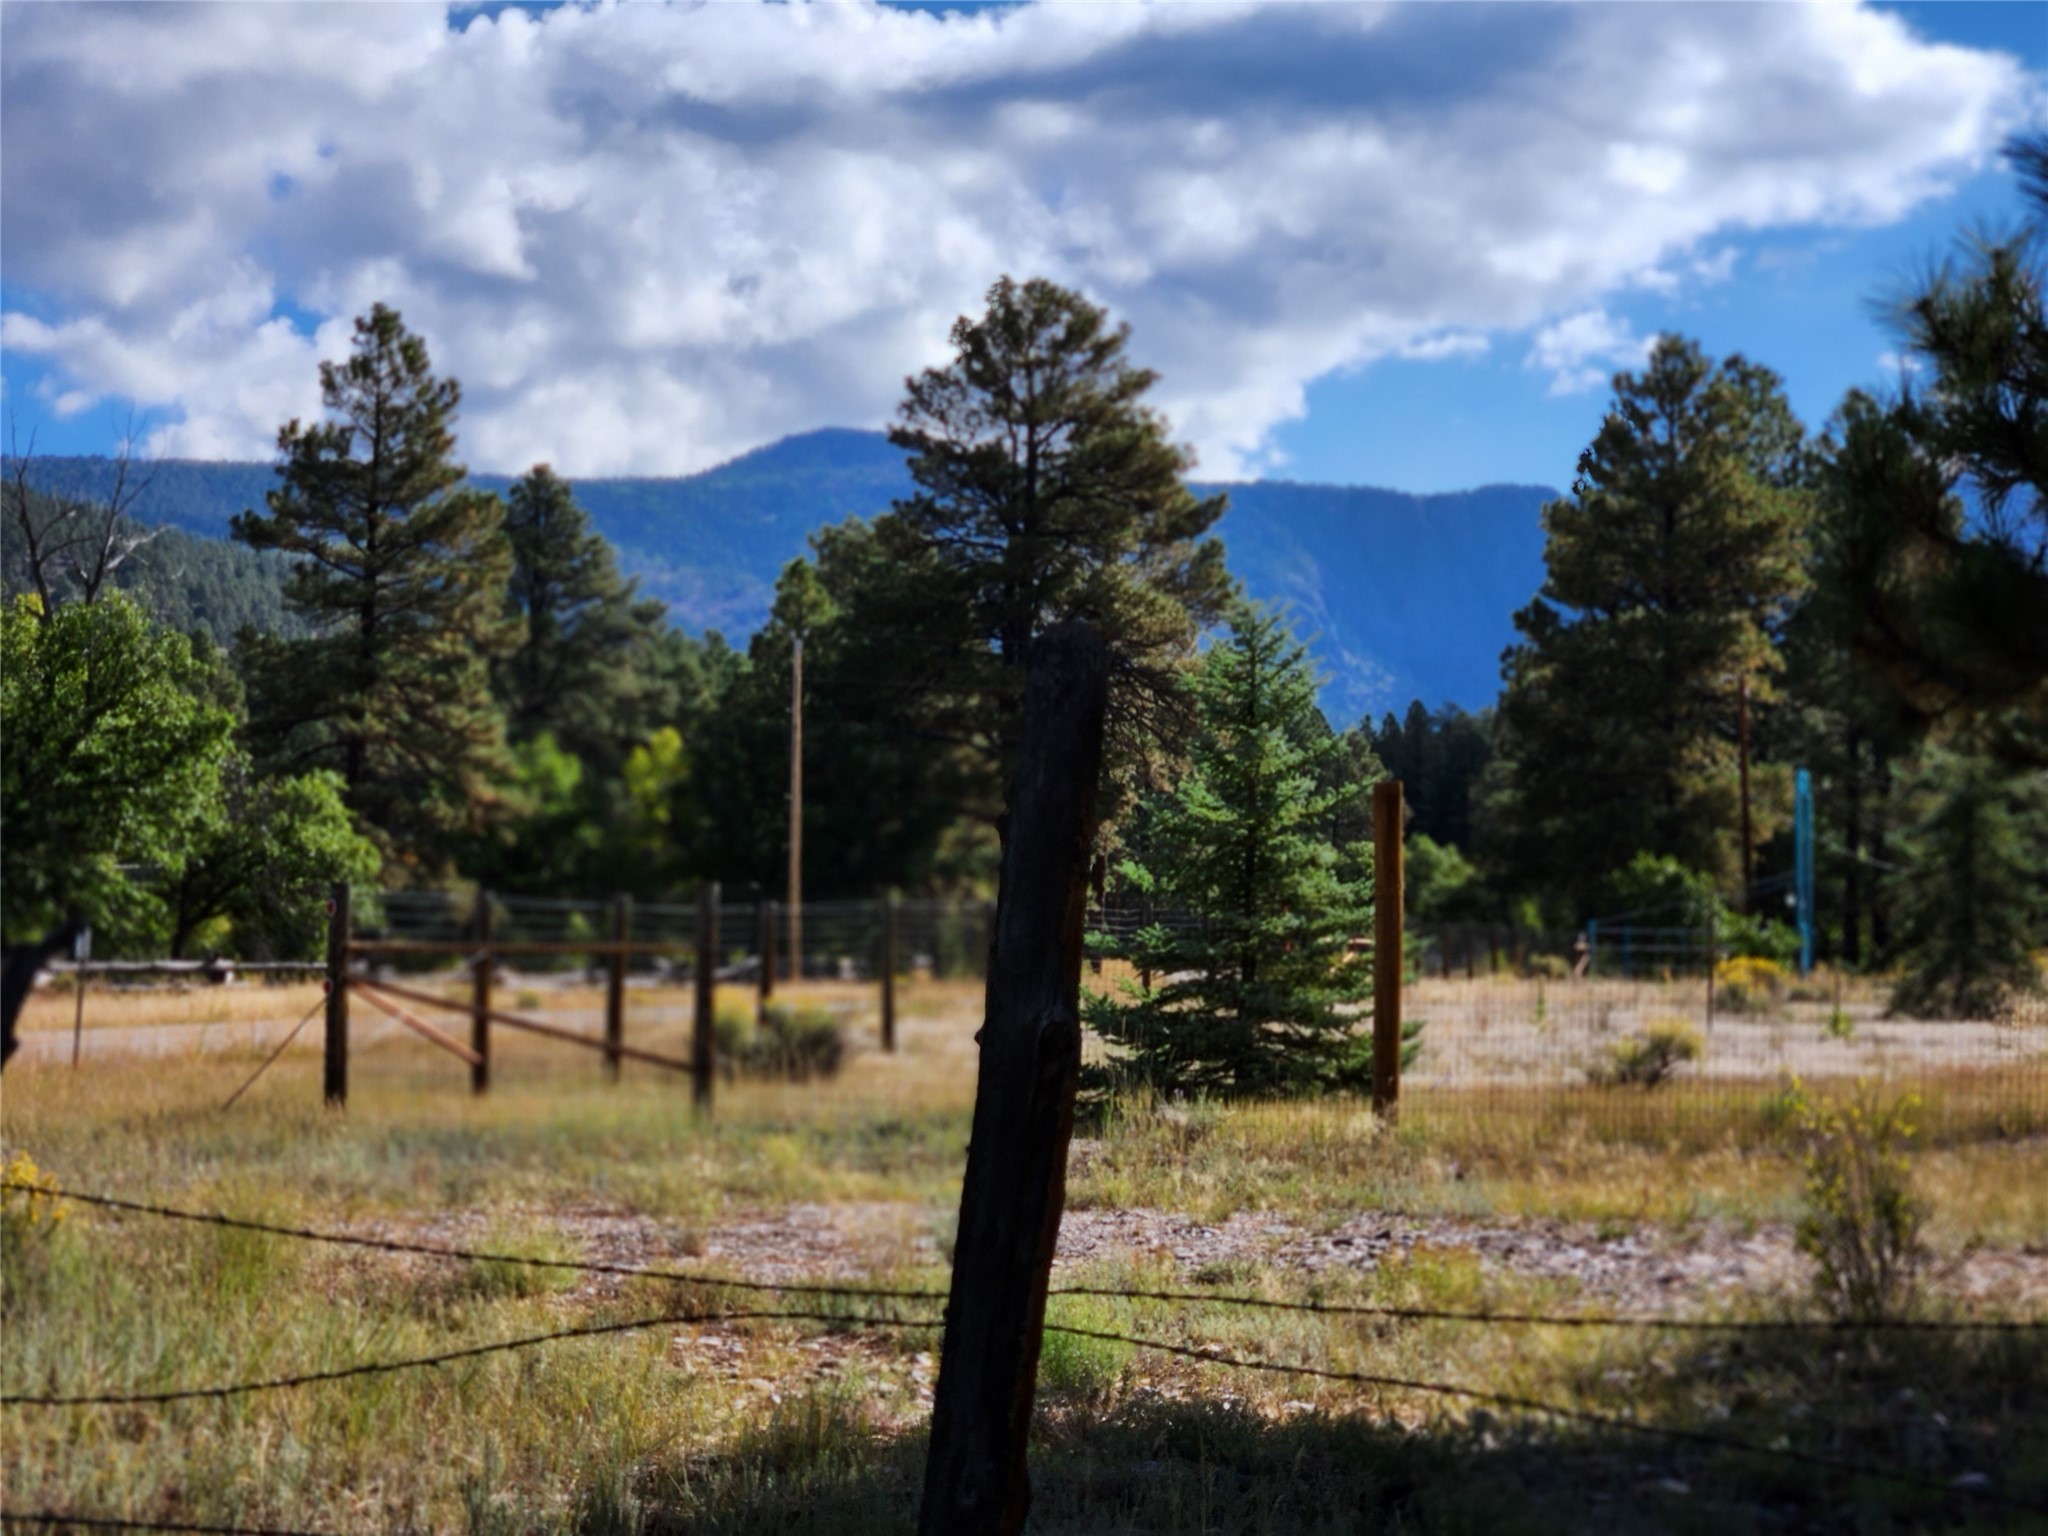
[1396, 246]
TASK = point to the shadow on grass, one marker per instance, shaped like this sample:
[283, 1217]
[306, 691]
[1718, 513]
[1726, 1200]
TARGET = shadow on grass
[1967, 1416]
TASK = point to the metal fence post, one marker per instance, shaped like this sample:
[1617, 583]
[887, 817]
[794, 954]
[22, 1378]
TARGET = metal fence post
[615, 984]
[1387, 898]
[703, 1026]
[334, 1074]
[480, 996]
[766, 981]
[889, 916]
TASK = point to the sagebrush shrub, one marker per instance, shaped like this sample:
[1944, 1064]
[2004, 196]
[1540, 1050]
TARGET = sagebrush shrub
[1862, 1222]
[1645, 1059]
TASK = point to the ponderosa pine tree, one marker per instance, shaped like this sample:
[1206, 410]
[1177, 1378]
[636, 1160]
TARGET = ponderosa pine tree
[1250, 977]
[401, 575]
[587, 665]
[1047, 490]
[1955, 610]
[1676, 554]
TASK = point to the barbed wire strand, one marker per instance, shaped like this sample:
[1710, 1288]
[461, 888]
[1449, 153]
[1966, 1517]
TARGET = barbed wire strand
[1557, 1410]
[117, 1523]
[528, 1261]
[447, 1357]
[272, 1057]
[1197, 1353]
[1202, 1298]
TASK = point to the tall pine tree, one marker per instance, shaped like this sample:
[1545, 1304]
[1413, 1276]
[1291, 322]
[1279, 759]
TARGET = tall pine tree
[1251, 975]
[401, 577]
[1047, 490]
[1974, 897]
[587, 668]
[1670, 564]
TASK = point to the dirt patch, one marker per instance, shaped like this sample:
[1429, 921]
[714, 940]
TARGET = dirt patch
[1633, 1269]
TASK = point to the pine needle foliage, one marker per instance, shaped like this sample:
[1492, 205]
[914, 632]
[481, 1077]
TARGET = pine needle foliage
[1250, 980]
[400, 572]
[1975, 905]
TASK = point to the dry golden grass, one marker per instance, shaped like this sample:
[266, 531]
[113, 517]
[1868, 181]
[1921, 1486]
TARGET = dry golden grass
[783, 1426]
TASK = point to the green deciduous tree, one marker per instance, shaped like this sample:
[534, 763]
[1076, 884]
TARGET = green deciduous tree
[110, 764]
[401, 573]
[1670, 565]
[264, 863]
[1249, 984]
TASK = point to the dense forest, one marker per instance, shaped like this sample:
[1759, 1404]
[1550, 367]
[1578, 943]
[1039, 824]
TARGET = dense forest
[400, 672]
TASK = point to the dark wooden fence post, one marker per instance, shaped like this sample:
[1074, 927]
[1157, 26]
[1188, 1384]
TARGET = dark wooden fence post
[334, 1074]
[769, 920]
[615, 984]
[480, 995]
[703, 1024]
[1010, 1202]
[888, 905]
[1387, 898]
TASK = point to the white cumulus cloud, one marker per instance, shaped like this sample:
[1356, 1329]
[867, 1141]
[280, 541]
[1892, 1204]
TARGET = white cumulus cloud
[647, 237]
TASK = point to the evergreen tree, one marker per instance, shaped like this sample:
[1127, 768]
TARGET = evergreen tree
[1439, 756]
[400, 573]
[1955, 610]
[1047, 490]
[1974, 900]
[1670, 565]
[880, 793]
[587, 666]
[1250, 977]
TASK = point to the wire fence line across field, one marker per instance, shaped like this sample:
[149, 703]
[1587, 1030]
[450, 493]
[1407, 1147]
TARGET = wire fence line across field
[1647, 1322]
[1200, 1354]
[54, 1517]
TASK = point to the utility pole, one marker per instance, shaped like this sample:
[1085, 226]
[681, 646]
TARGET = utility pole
[1742, 757]
[796, 808]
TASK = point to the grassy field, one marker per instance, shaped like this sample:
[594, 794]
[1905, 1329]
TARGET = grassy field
[1519, 1201]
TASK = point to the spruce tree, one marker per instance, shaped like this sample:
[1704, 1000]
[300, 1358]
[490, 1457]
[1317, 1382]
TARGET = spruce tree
[400, 576]
[1250, 975]
[1973, 900]
[1676, 555]
[587, 665]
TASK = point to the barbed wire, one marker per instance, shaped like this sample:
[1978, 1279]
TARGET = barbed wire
[482, 1256]
[117, 1523]
[1201, 1298]
[448, 1357]
[1199, 1353]
[1557, 1410]
[269, 1060]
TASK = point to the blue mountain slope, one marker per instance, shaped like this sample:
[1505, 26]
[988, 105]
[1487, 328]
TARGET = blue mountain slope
[1406, 596]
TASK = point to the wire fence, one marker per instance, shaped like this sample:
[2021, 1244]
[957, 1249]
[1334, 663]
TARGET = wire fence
[1620, 1024]
[842, 1316]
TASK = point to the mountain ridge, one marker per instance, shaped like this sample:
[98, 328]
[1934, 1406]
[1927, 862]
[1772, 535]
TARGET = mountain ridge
[1402, 595]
